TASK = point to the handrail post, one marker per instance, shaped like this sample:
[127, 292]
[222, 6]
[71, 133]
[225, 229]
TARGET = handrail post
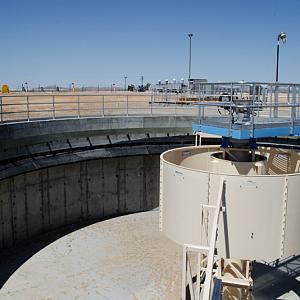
[199, 99]
[298, 102]
[103, 106]
[27, 104]
[1, 103]
[252, 110]
[199, 112]
[276, 95]
[176, 101]
[203, 92]
[78, 107]
[231, 118]
[53, 107]
[293, 109]
[271, 101]
[151, 106]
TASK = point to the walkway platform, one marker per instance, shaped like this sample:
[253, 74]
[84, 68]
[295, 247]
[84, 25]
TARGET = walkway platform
[262, 127]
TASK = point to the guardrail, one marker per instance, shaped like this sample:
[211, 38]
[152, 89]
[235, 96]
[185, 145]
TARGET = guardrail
[249, 110]
[32, 107]
[267, 102]
[233, 100]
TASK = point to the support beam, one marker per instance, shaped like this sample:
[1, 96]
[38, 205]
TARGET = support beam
[212, 244]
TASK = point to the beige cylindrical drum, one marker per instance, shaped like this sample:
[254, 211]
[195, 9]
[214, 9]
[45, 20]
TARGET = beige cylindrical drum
[261, 212]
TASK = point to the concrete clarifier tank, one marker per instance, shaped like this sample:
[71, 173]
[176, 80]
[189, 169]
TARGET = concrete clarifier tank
[261, 219]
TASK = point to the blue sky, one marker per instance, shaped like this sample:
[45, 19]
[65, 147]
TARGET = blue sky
[99, 42]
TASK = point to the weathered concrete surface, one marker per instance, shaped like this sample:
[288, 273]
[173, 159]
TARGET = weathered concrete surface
[95, 126]
[84, 186]
[15, 136]
[39, 201]
[31, 139]
[122, 258]
[34, 161]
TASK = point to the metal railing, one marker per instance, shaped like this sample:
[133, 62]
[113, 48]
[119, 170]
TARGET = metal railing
[230, 106]
[253, 95]
[250, 103]
[235, 101]
[22, 107]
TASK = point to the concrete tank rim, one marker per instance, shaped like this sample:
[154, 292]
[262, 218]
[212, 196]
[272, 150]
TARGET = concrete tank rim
[223, 174]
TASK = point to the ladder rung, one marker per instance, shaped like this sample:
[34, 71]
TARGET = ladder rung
[197, 248]
[208, 206]
[238, 282]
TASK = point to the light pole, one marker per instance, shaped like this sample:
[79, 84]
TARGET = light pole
[125, 79]
[190, 56]
[281, 37]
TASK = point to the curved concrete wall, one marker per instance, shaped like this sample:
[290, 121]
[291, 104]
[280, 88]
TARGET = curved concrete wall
[38, 144]
[80, 169]
[39, 201]
[261, 220]
[41, 136]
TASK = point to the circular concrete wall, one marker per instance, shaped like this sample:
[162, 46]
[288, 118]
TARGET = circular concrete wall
[43, 200]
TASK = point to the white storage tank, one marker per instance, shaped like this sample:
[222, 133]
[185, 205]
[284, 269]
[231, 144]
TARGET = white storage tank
[261, 219]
